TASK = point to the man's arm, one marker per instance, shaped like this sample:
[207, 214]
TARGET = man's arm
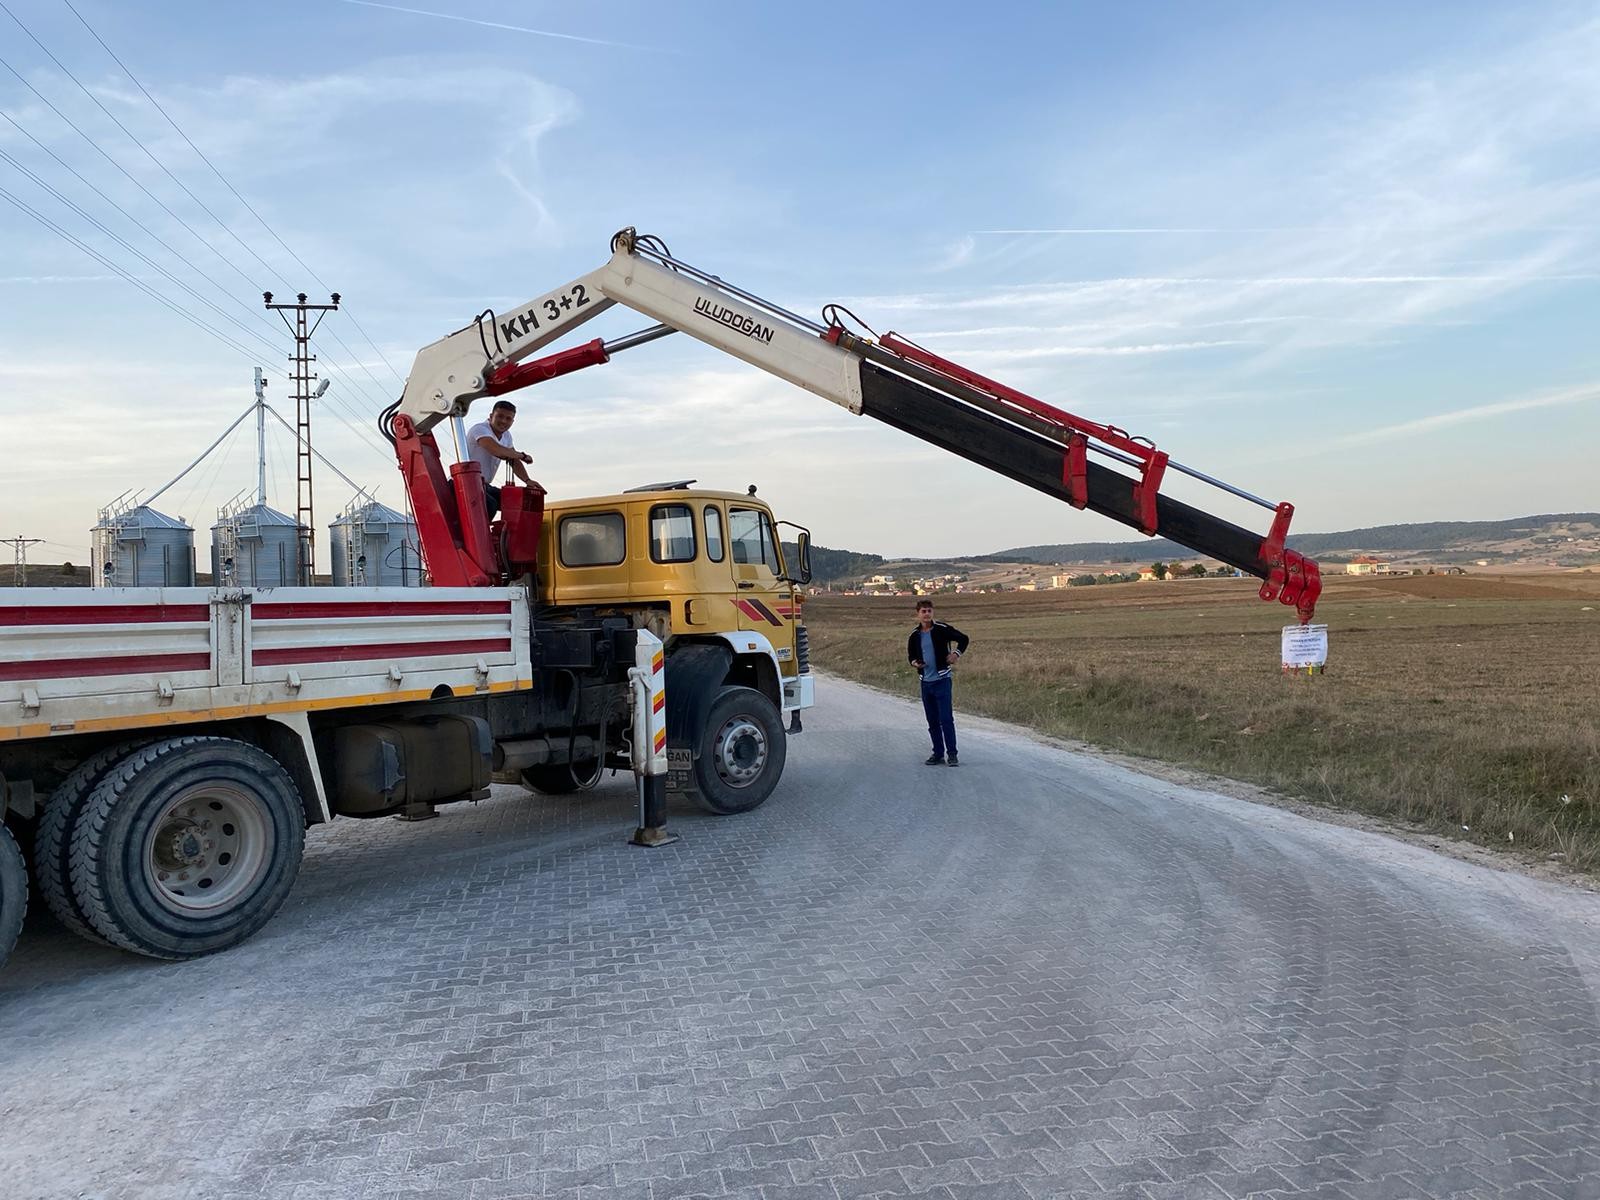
[961, 640]
[911, 652]
[499, 451]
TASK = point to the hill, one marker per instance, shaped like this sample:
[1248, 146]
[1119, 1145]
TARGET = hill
[1559, 539]
[829, 565]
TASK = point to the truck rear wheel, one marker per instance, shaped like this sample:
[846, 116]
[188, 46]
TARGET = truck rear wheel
[742, 751]
[52, 841]
[13, 892]
[187, 847]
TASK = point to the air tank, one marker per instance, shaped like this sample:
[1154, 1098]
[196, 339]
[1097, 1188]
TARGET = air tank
[140, 547]
[374, 546]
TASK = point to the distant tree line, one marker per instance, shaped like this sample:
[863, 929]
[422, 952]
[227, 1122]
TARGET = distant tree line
[828, 565]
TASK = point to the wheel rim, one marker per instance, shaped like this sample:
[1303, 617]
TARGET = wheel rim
[740, 752]
[207, 848]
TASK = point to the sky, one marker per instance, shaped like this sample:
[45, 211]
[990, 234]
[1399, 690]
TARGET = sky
[1346, 256]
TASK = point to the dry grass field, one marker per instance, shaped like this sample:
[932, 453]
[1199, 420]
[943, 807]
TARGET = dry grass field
[1465, 704]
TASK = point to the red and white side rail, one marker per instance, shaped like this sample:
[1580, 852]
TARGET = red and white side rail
[75, 660]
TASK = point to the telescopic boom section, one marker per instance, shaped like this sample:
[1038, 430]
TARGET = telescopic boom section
[888, 378]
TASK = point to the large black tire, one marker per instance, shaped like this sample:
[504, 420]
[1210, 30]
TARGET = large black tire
[187, 847]
[13, 893]
[52, 840]
[742, 751]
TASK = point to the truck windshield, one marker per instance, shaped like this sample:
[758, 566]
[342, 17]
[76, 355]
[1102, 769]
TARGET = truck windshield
[750, 533]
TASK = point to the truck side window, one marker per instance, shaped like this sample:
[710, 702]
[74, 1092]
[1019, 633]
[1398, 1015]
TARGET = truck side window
[672, 533]
[593, 540]
[713, 533]
[750, 530]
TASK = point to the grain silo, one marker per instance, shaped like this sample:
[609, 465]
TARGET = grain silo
[374, 546]
[257, 546]
[140, 547]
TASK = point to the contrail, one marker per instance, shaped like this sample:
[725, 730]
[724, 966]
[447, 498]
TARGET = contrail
[1255, 229]
[1583, 394]
[566, 37]
[1272, 229]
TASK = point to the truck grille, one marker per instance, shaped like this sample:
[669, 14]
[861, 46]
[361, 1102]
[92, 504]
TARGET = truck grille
[802, 649]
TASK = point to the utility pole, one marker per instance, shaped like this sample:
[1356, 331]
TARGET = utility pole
[21, 544]
[301, 361]
[261, 438]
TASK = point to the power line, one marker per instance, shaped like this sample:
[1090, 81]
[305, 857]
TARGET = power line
[225, 183]
[138, 283]
[353, 383]
[102, 152]
[98, 149]
[398, 378]
[150, 233]
[135, 138]
[134, 250]
[355, 358]
[343, 413]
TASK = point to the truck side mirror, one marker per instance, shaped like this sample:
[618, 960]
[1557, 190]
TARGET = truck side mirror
[802, 547]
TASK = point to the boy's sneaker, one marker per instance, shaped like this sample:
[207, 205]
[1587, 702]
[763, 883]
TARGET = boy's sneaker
[934, 760]
[954, 761]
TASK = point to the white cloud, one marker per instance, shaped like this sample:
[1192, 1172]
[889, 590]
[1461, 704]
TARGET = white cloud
[1398, 200]
[958, 254]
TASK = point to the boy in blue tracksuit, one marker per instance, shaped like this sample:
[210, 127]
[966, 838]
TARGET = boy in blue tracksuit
[933, 649]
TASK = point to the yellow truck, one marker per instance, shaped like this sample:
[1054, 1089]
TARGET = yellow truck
[705, 572]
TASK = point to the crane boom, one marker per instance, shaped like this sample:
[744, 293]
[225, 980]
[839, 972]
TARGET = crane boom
[888, 378]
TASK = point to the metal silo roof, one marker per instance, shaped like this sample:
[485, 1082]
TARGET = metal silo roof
[373, 513]
[259, 514]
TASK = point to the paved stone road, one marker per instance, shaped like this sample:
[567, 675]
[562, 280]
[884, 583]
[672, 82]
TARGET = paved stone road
[1035, 976]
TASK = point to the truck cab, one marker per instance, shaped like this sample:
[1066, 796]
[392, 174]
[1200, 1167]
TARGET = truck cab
[707, 573]
[708, 564]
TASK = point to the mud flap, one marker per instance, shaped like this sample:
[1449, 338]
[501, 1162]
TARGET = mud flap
[694, 676]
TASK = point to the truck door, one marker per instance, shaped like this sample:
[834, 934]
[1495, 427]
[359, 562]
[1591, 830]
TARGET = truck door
[757, 572]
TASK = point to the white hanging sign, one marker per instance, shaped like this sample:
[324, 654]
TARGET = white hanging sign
[1305, 648]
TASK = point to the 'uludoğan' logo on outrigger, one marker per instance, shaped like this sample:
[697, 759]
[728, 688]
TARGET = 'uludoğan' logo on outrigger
[748, 326]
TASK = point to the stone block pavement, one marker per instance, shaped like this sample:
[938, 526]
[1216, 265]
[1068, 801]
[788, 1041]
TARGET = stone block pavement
[1037, 976]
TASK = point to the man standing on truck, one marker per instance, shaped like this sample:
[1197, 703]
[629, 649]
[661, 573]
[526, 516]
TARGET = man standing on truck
[930, 650]
[488, 444]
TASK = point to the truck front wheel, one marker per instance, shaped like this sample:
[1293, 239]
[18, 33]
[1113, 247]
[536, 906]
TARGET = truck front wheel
[187, 846]
[742, 751]
[13, 892]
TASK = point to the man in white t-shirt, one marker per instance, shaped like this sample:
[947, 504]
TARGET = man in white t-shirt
[489, 443]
